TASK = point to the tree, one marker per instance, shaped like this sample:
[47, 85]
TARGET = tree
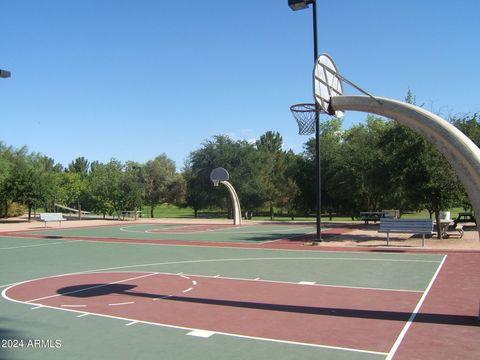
[131, 187]
[32, 182]
[6, 165]
[419, 175]
[244, 164]
[105, 183]
[161, 182]
[273, 169]
[80, 166]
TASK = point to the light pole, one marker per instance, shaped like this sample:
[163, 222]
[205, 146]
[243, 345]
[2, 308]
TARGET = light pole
[4, 73]
[300, 5]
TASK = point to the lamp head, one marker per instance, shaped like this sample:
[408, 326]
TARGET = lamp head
[299, 4]
[4, 74]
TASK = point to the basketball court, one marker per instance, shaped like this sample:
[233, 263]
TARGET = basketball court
[212, 291]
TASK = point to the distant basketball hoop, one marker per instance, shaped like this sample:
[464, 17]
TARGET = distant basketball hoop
[220, 176]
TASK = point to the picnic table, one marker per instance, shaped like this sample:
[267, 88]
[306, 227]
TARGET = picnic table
[372, 216]
[129, 214]
[464, 218]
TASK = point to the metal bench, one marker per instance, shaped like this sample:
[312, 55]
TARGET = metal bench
[46, 217]
[407, 226]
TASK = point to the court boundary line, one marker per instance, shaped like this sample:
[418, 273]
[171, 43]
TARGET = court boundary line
[224, 260]
[197, 244]
[415, 251]
[405, 329]
[134, 321]
[226, 229]
[36, 245]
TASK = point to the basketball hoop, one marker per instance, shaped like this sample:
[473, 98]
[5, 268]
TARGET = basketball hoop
[306, 115]
[219, 174]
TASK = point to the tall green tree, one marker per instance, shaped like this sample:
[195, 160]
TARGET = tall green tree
[244, 164]
[273, 169]
[105, 183]
[162, 184]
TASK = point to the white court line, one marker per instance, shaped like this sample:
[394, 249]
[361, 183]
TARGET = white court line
[187, 290]
[36, 245]
[229, 230]
[225, 260]
[73, 306]
[201, 333]
[311, 283]
[402, 334]
[133, 321]
[82, 315]
[306, 283]
[122, 303]
[218, 245]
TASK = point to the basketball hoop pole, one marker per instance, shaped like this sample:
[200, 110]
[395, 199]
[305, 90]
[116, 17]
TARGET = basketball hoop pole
[318, 168]
[300, 5]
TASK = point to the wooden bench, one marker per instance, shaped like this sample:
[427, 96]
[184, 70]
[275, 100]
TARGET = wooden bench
[406, 226]
[46, 217]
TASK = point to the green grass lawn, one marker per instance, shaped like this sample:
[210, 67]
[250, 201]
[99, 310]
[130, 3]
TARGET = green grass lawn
[173, 211]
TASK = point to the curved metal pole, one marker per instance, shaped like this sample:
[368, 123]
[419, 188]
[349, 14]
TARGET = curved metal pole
[462, 154]
[237, 213]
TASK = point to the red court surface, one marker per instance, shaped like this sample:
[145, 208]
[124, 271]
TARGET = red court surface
[356, 319]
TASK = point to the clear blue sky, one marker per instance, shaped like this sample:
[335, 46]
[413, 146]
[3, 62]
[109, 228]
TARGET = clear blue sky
[132, 79]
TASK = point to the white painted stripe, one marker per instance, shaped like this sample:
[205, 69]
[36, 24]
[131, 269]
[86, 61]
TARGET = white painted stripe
[414, 313]
[194, 282]
[73, 306]
[306, 282]
[112, 269]
[187, 290]
[7, 285]
[185, 277]
[122, 303]
[297, 283]
[82, 315]
[36, 245]
[201, 333]
[37, 307]
[219, 333]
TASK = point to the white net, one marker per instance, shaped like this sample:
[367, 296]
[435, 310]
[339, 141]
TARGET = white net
[305, 115]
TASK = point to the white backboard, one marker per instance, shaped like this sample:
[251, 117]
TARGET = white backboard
[219, 174]
[325, 82]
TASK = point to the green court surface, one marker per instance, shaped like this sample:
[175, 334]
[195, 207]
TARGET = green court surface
[97, 337]
[234, 234]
